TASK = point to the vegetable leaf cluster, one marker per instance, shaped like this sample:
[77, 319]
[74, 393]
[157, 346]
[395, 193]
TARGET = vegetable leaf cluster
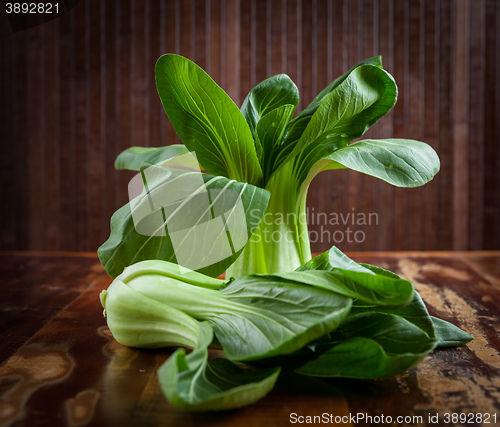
[275, 155]
[366, 323]
[279, 308]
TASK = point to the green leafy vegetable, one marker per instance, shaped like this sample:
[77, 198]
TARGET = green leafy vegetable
[207, 120]
[269, 95]
[196, 383]
[400, 162]
[263, 146]
[139, 321]
[141, 232]
[242, 209]
[134, 157]
[375, 343]
[253, 317]
[449, 335]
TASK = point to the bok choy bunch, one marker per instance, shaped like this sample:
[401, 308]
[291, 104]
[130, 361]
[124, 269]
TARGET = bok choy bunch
[266, 156]
[237, 205]
[331, 317]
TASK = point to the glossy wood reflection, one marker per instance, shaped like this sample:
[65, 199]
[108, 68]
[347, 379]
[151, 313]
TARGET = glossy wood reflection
[60, 366]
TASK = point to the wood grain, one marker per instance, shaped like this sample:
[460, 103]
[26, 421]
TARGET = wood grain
[60, 366]
[460, 128]
[79, 89]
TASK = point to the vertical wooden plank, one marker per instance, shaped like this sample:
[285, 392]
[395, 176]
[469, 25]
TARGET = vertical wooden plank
[445, 177]
[307, 70]
[125, 59]
[115, 195]
[19, 182]
[9, 167]
[185, 28]
[308, 66]
[400, 37]
[475, 114]
[337, 181]
[108, 207]
[277, 34]
[385, 196]
[496, 159]
[168, 26]
[247, 57]
[495, 188]
[430, 116]
[50, 116]
[81, 127]
[140, 135]
[491, 178]
[354, 31]
[171, 38]
[67, 134]
[215, 40]
[260, 50]
[37, 140]
[460, 128]
[155, 115]
[366, 235]
[292, 45]
[95, 145]
[368, 42]
[414, 95]
[354, 43]
[400, 17]
[321, 199]
[231, 21]
[338, 40]
[200, 33]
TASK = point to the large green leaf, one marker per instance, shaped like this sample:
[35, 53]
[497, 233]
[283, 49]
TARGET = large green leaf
[134, 157]
[368, 287]
[415, 311]
[374, 332]
[197, 383]
[271, 316]
[299, 124]
[372, 342]
[362, 357]
[268, 95]
[379, 342]
[335, 271]
[331, 259]
[269, 133]
[400, 162]
[196, 220]
[207, 120]
[375, 342]
[449, 335]
[366, 95]
[253, 317]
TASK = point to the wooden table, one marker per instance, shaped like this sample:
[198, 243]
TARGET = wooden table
[59, 364]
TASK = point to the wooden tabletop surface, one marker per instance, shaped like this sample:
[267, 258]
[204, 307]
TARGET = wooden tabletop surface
[60, 366]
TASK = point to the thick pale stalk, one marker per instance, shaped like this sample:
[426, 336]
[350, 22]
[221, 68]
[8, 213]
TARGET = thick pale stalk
[281, 242]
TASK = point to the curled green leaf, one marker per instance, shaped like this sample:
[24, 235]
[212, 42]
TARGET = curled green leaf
[197, 383]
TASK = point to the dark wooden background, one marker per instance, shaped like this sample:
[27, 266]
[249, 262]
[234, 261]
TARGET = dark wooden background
[79, 89]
